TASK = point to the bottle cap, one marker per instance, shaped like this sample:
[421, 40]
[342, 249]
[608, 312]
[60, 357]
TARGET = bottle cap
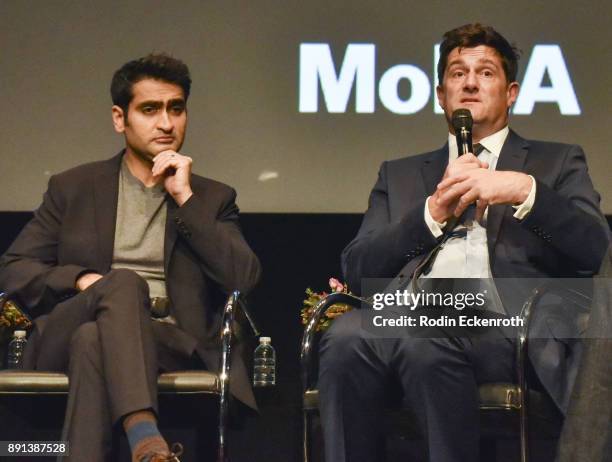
[19, 334]
[265, 340]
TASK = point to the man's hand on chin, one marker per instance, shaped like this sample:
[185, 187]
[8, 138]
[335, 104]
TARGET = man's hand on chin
[175, 171]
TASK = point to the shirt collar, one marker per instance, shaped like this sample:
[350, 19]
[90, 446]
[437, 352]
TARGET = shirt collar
[126, 174]
[492, 143]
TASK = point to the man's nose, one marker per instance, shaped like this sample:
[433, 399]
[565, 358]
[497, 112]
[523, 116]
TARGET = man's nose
[471, 81]
[164, 122]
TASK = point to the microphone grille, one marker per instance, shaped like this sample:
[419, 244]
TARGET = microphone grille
[462, 118]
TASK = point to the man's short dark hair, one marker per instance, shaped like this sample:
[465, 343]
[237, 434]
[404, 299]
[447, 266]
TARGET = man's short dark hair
[473, 35]
[158, 66]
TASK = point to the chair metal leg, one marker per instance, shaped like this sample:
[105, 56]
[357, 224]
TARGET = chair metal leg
[224, 374]
[306, 436]
[524, 433]
[521, 361]
[222, 455]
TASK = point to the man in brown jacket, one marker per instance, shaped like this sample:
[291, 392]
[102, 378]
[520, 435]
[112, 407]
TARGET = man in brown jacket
[125, 265]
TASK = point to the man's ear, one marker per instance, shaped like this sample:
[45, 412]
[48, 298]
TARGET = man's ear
[440, 95]
[512, 93]
[119, 121]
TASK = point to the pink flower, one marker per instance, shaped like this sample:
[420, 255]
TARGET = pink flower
[335, 285]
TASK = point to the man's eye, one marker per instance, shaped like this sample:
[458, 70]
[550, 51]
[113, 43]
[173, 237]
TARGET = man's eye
[149, 109]
[487, 73]
[177, 109]
[458, 74]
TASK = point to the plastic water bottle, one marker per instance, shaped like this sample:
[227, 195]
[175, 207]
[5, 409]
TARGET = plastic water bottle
[264, 359]
[15, 349]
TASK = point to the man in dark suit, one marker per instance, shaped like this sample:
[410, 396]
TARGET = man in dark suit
[125, 265]
[536, 214]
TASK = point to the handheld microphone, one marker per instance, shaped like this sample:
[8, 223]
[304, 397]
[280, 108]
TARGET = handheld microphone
[462, 124]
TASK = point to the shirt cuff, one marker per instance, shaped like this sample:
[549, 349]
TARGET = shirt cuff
[435, 227]
[523, 209]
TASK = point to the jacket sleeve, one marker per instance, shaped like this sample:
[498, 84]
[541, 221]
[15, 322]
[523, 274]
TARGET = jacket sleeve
[28, 270]
[214, 235]
[382, 247]
[567, 215]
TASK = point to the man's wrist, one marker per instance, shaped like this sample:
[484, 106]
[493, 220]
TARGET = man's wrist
[526, 185]
[434, 226]
[84, 280]
[182, 197]
[525, 207]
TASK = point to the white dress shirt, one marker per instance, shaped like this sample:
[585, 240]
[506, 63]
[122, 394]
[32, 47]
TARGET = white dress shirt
[466, 255]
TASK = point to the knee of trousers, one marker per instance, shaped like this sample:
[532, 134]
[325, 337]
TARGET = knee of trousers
[126, 278]
[85, 344]
[422, 358]
[123, 285]
[344, 342]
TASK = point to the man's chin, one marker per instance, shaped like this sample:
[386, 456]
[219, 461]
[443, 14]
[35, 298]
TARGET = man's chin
[477, 115]
[158, 148]
[145, 156]
[472, 106]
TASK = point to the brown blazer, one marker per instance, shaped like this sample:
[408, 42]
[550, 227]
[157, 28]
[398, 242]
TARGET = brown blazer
[206, 256]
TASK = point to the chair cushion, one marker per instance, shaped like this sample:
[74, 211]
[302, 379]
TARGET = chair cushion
[29, 382]
[15, 382]
[499, 396]
[189, 382]
[311, 400]
[492, 396]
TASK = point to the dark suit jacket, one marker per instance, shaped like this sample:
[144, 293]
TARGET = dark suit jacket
[564, 235]
[206, 256]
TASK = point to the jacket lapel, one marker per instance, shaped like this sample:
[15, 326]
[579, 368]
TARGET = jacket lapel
[433, 169]
[170, 234]
[106, 192]
[511, 158]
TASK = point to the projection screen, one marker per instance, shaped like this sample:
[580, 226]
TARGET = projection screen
[295, 104]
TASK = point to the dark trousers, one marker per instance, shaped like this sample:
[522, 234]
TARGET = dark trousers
[112, 351]
[438, 377]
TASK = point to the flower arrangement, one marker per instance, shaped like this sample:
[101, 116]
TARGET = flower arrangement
[332, 312]
[11, 318]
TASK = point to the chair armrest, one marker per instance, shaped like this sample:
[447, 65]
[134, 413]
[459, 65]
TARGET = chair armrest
[309, 337]
[234, 302]
[232, 305]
